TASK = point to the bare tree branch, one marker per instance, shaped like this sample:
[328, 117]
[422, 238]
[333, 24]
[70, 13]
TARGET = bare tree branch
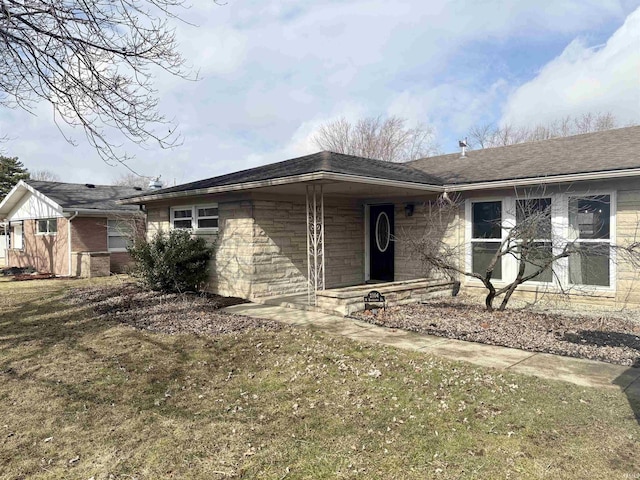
[489, 135]
[93, 61]
[385, 139]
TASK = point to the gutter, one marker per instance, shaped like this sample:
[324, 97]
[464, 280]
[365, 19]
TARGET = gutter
[88, 212]
[572, 177]
[307, 177]
[69, 219]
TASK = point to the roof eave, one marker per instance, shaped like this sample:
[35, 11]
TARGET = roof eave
[564, 178]
[304, 178]
[96, 212]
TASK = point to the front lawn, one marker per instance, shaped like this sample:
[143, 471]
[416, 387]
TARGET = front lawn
[84, 395]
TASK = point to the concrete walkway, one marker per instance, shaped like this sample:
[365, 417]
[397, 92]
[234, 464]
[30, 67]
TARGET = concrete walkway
[588, 373]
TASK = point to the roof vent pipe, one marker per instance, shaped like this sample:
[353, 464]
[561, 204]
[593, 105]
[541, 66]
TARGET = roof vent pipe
[463, 145]
[155, 184]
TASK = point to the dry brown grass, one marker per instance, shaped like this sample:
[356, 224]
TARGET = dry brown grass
[82, 397]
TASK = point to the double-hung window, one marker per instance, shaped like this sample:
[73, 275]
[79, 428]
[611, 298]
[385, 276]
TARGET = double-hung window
[486, 236]
[207, 217]
[198, 217]
[182, 218]
[119, 235]
[47, 226]
[533, 233]
[590, 232]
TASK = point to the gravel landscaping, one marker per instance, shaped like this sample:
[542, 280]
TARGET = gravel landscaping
[606, 338]
[130, 304]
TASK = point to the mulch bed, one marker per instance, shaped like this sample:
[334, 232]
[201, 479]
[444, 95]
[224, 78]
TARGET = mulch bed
[166, 313]
[606, 338]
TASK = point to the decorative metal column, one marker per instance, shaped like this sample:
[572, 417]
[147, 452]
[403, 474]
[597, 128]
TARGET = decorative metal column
[315, 241]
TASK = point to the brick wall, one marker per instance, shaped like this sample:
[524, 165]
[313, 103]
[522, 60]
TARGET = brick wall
[45, 253]
[89, 234]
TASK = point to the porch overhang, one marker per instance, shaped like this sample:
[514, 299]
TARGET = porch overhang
[334, 184]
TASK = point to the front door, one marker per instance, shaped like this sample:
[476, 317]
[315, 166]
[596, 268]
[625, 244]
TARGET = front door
[381, 242]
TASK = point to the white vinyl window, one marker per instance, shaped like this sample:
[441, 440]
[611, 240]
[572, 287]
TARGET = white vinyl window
[590, 229]
[47, 226]
[535, 213]
[119, 235]
[197, 217]
[486, 236]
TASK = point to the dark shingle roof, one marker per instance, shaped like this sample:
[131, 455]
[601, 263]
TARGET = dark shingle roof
[79, 196]
[318, 162]
[592, 152]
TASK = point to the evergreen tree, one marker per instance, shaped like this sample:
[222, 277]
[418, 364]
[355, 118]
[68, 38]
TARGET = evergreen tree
[11, 172]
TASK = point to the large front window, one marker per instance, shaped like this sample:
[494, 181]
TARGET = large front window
[540, 228]
[486, 237]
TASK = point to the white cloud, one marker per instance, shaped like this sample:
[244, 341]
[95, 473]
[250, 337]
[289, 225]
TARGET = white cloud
[584, 79]
[274, 70]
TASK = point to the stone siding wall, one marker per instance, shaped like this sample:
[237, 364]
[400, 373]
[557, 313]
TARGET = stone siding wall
[344, 244]
[261, 246]
[426, 222]
[280, 248]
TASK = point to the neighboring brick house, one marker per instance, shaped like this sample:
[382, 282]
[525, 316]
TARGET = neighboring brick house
[70, 229]
[322, 224]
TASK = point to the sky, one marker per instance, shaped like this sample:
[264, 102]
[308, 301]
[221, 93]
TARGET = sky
[273, 71]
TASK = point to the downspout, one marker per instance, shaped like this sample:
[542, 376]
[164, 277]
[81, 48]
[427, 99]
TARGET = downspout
[69, 236]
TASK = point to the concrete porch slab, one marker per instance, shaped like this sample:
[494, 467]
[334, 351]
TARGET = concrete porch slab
[588, 373]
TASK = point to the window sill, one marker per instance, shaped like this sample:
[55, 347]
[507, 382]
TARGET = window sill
[46, 234]
[117, 250]
[537, 287]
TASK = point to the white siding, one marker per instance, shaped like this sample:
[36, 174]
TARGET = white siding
[31, 206]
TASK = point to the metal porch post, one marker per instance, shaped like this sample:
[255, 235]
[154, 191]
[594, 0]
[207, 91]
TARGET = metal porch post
[315, 242]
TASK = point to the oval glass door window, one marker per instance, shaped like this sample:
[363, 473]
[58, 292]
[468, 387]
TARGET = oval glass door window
[383, 232]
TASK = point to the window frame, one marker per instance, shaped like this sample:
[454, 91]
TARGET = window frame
[469, 234]
[48, 232]
[553, 199]
[12, 235]
[206, 217]
[194, 218]
[611, 241]
[110, 234]
[173, 219]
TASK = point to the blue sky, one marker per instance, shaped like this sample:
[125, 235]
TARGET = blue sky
[274, 70]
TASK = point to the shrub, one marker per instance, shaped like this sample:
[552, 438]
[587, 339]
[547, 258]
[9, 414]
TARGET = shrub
[172, 262]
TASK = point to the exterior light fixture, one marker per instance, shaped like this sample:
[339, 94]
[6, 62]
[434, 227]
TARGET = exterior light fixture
[408, 209]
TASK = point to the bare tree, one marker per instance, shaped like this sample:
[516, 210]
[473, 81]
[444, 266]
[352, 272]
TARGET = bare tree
[130, 179]
[92, 60]
[387, 139]
[530, 238]
[488, 135]
[44, 175]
